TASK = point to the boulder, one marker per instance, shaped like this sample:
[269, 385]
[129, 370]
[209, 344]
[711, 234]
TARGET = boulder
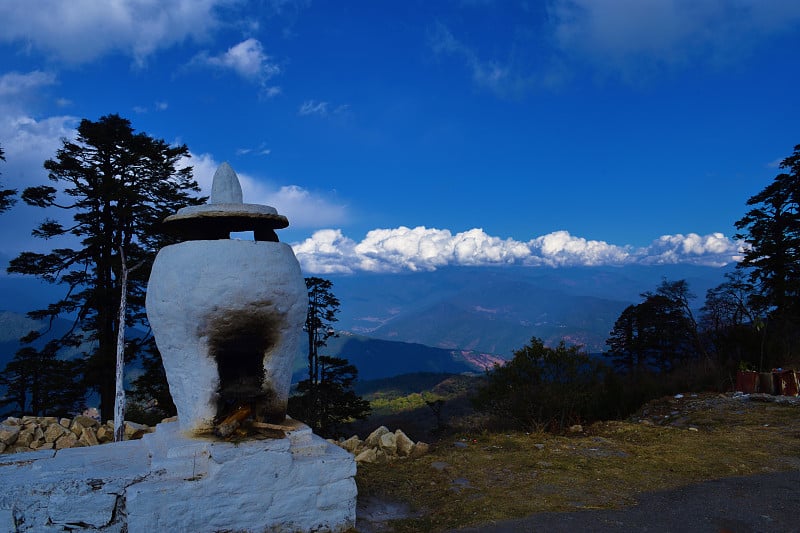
[9, 432]
[374, 438]
[370, 455]
[87, 421]
[76, 427]
[404, 444]
[54, 431]
[420, 449]
[25, 438]
[388, 444]
[351, 444]
[134, 430]
[105, 434]
[88, 437]
[67, 440]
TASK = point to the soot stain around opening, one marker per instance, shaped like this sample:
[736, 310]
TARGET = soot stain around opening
[238, 342]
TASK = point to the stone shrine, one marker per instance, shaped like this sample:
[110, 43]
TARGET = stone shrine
[227, 317]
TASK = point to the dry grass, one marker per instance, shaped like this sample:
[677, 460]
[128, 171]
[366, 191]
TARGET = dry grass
[476, 478]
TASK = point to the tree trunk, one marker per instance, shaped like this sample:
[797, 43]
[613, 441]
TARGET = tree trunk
[119, 393]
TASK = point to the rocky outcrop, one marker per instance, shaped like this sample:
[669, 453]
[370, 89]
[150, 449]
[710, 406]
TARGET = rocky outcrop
[382, 446]
[32, 433]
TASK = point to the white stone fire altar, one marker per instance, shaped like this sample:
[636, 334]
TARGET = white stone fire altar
[227, 316]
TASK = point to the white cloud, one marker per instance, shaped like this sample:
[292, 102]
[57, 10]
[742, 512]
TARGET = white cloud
[323, 109]
[27, 143]
[312, 107]
[560, 248]
[714, 249]
[15, 83]
[327, 251]
[623, 33]
[247, 59]
[303, 208]
[271, 92]
[79, 31]
[420, 248]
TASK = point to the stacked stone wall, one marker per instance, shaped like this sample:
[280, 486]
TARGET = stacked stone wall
[35, 433]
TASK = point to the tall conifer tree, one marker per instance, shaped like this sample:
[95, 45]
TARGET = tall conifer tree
[771, 230]
[116, 186]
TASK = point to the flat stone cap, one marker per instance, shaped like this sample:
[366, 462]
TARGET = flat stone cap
[225, 213]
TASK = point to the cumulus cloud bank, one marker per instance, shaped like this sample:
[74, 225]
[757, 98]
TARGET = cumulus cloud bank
[329, 251]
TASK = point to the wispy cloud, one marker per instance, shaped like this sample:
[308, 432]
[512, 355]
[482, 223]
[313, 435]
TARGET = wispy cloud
[626, 34]
[312, 107]
[629, 39]
[83, 30]
[157, 106]
[491, 74]
[260, 150]
[322, 109]
[16, 83]
[415, 249]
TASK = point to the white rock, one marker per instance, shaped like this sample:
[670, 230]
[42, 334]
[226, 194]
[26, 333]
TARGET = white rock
[388, 444]
[351, 444]
[370, 455]
[374, 438]
[404, 445]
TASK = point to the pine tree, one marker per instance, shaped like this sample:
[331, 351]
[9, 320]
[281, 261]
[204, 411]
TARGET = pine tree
[326, 399]
[6, 195]
[771, 230]
[40, 384]
[660, 332]
[117, 186]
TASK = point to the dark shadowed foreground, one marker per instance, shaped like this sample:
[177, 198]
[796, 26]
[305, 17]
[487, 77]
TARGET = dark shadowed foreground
[763, 502]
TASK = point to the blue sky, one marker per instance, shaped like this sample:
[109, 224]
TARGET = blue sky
[413, 135]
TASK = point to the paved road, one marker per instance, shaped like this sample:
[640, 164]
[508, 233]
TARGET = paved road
[760, 503]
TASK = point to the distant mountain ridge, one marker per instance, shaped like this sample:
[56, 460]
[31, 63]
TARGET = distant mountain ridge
[498, 310]
[450, 320]
[378, 358]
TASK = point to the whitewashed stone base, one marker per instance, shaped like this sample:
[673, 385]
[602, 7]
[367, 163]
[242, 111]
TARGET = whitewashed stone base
[168, 482]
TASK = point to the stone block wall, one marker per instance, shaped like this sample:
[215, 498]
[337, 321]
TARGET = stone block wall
[167, 482]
